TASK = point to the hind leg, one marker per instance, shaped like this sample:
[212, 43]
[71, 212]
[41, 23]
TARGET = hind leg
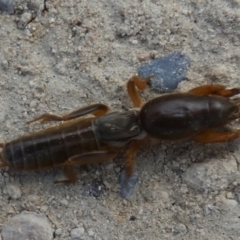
[95, 109]
[84, 159]
[213, 136]
[215, 89]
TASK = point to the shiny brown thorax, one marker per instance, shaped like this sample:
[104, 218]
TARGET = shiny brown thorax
[182, 115]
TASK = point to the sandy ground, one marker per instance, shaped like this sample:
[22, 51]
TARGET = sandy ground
[59, 55]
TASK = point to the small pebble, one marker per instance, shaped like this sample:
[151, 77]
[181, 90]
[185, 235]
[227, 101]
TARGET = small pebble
[200, 231]
[167, 71]
[180, 229]
[51, 20]
[33, 103]
[61, 68]
[44, 208]
[90, 233]
[64, 202]
[25, 19]
[27, 225]
[231, 203]
[205, 176]
[58, 232]
[77, 233]
[109, 166]
[229, 195]
[208, 209]
[144, 57]
[4, 63]
[12, 190]
[134, 41]
[51, 198]
[32, 84]
[34, 199]
[6, 175]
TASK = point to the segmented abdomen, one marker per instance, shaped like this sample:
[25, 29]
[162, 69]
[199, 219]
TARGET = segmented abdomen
[52, 147]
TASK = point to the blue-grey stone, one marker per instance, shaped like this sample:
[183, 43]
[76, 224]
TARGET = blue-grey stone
[167, 71]
[7, 6]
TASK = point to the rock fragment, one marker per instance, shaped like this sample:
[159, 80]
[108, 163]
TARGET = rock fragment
[215, 175]
[167, 71]
[58, 232]
[77, 233]
[27, 226]
[7, 6]
[12, 190]
[180, 229]
[25, 19]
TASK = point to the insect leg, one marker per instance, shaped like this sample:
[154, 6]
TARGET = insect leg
[84, 159]
[141, 84]
[213, 136]
[91, 158]
[129, 178]
[215, 89]
[95, 109]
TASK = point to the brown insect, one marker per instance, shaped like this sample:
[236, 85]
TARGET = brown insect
[194, 115]
[79, 141]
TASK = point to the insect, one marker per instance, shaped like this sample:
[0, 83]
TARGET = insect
[194, 115]
[78, 141]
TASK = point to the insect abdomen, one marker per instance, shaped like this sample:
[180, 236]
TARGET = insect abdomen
[50, 148]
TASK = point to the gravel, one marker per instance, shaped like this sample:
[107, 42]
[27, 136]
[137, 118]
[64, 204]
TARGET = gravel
[57, 56]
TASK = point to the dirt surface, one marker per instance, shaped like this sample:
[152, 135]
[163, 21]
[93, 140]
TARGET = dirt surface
[57, 56]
